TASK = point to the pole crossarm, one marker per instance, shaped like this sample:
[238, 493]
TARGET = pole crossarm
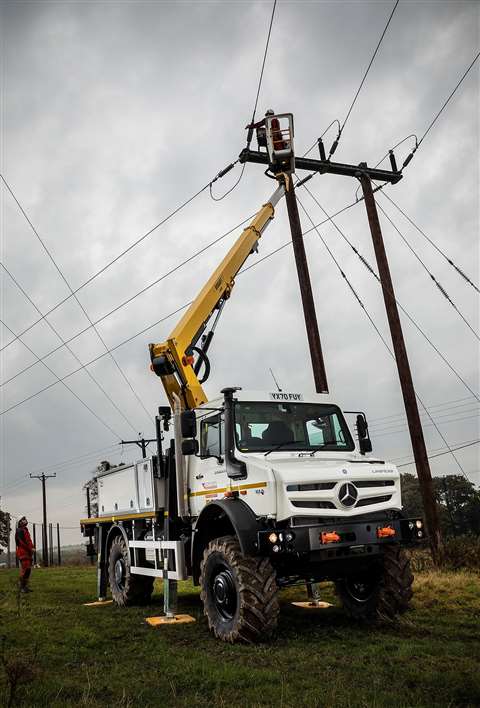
[326, 166]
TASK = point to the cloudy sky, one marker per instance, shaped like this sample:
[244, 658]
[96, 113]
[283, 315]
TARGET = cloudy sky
[114, 113]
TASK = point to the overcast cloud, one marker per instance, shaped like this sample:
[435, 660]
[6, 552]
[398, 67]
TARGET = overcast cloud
[114, 113]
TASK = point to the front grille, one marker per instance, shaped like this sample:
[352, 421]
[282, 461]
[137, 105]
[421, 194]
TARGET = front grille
[310, 487]
[314, 504]
[375, 483]
[373, 500]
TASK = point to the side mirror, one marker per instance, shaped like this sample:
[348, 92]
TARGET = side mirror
[190, 447]
[165, 414]
[188, 424]
[364, 441]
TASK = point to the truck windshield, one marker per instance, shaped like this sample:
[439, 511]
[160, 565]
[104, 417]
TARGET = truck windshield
[263, 426]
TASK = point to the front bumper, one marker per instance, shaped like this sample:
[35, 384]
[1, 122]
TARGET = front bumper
[330, 541]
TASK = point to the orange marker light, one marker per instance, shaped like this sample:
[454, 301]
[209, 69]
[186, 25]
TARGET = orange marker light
[329, 537]
[385, 532]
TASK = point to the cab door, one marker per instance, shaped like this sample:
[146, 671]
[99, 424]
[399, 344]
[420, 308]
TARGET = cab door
[208, 476]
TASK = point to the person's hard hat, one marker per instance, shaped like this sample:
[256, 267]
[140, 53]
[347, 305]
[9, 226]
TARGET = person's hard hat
[23, 521]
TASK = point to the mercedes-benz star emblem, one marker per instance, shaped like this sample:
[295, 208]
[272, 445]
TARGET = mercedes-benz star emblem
[348, 494]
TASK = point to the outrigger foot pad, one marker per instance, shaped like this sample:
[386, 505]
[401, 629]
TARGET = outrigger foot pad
[175, 619]
[98, 603]
[313, 605]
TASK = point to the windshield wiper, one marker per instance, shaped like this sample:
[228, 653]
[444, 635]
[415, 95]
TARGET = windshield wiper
[277, 447]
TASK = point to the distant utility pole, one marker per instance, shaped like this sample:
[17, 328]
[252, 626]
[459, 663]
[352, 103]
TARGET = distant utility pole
[311, 324]
[405, 375]
[141, 443]
[42, 478]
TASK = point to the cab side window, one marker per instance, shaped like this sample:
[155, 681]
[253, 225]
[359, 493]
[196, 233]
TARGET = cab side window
[211, 436]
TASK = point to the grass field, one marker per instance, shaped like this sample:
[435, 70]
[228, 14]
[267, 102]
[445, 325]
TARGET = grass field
[105, 656]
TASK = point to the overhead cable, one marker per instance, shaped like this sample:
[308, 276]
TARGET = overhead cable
[335, 144]
[409, 317]
[431, 242]
[445, 404]
[114, 260]
[410, 156]
[432, 277]
[60, 272]
[62, 381]
[461, 447]
[263, 66]
[64, 343]
[133, 297]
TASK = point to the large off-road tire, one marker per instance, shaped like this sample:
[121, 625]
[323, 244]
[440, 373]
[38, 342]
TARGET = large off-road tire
[127, 589]
[382, 593]
[239, 593]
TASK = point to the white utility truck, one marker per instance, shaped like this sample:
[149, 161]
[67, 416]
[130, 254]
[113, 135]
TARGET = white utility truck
[256, 490]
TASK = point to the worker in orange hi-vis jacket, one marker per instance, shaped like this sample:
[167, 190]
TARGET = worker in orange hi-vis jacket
[24, 551]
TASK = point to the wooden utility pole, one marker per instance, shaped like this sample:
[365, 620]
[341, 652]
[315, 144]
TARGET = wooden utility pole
[406, 382]
[311, 324]
[42, 478]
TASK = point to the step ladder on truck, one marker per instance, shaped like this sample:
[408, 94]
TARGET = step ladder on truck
[256, 490]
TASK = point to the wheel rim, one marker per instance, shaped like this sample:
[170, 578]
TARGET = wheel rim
[224, 593]
[360, 589]
[120, 573]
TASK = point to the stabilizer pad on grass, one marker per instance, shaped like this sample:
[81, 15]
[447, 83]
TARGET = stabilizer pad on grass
[177, 619]
[313, 605]
[97, 603]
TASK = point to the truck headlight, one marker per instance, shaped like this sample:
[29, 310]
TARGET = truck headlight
[419, 524]
[272, 537]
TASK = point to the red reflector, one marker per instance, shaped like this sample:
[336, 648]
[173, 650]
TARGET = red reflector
[188, 360]
[329, 537]
[385, 532]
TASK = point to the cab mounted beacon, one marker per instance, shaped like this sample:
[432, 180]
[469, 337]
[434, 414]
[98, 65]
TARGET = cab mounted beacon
[257, 490]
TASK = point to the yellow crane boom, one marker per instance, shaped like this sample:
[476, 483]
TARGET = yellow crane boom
[173, 360]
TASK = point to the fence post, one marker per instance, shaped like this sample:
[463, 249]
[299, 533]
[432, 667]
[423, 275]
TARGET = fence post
[59, 554]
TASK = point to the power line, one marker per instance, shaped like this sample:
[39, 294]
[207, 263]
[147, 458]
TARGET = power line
[447, 101]
[61, 380]
[133, 297]
[335, 144]
[410, 318]
[410, 156]
[433, 450]
[60, 272]
[461, 447]
[114, 260]
[433, 278]
[400, 419]
[445, 422]
[386, 426]
[97, 358]
[55, 331]
[263, 62]
[436, 405]
[437, 248]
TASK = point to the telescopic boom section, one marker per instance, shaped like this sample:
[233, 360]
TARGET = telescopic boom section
[173, 360]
